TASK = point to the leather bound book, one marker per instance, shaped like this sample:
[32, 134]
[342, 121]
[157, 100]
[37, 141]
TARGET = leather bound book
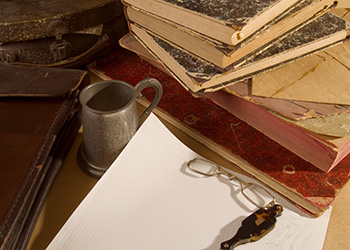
[39, 119]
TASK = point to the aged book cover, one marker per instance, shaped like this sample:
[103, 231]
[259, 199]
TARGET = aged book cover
[307, 186]
[197, 75]
[227, 21]
[220, 54]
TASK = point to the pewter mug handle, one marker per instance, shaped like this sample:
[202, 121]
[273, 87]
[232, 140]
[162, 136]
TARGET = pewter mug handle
[158, 88]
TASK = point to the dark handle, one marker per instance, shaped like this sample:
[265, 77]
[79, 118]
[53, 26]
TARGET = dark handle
[158, 88]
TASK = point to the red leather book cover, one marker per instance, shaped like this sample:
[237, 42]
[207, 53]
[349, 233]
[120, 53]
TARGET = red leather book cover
[307, 186]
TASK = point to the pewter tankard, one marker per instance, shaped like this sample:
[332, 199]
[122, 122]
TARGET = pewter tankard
[110, 119]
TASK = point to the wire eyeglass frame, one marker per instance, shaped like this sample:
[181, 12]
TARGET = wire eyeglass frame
[219, 171]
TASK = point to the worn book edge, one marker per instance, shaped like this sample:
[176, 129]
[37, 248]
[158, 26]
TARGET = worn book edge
[228, 33]
[223, 55]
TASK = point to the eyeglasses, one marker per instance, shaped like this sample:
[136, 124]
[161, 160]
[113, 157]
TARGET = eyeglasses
[255, 194]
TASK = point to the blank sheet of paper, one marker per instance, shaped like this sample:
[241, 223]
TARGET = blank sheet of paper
[148, 200]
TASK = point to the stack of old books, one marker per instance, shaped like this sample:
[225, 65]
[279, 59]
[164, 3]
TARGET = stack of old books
[281, 66]
[208, 45]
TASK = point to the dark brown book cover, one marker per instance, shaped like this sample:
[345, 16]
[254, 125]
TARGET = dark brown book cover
[27, 20]
[39, 109]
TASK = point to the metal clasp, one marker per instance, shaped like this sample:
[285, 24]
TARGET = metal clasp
[60, 49]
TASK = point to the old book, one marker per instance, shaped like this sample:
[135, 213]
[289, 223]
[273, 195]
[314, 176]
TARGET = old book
[197, 75]
[301, 182]
[227, 21]
[220, 54]
[41, 113]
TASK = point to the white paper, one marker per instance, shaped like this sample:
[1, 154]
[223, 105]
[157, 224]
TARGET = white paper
[148, 200]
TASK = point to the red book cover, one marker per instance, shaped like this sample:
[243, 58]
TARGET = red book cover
[307, 186]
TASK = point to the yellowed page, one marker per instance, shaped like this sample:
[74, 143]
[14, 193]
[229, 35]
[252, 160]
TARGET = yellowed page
[323, 77]
[343, 4]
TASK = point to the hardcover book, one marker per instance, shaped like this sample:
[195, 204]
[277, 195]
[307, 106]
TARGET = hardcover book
[301, 182]
[197, 75]
[220, 54]
[227, 21]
